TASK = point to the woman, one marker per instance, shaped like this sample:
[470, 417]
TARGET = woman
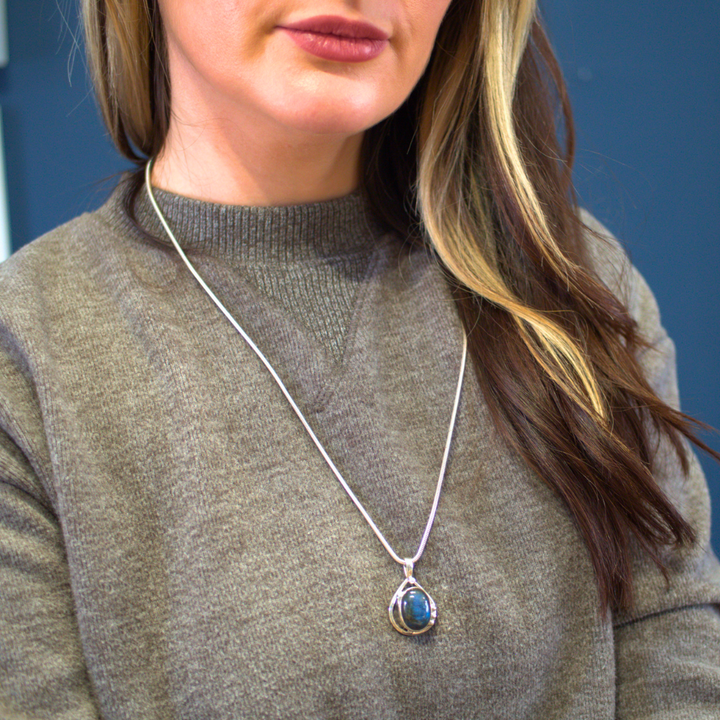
[362, 187]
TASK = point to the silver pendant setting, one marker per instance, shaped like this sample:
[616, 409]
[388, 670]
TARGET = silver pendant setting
[412, 611]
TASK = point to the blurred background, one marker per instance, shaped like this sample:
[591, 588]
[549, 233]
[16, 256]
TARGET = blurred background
[646, 94]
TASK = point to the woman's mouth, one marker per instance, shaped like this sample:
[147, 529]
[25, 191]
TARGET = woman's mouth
[335, 38]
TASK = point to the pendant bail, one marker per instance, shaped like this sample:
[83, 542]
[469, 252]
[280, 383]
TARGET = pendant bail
[408, 566]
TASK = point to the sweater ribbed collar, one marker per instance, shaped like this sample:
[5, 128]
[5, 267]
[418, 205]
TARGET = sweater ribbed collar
[260, 235]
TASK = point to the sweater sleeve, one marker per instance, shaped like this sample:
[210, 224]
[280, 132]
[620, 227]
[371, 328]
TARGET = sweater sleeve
[667, 648]
[42, 669]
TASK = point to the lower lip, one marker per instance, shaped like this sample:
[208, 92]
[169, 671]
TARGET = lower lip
[335, 47]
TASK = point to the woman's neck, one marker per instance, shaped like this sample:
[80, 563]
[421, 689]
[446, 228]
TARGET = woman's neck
[251, 166]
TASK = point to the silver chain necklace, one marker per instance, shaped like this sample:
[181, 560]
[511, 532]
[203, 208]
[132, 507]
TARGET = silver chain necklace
[411, 611]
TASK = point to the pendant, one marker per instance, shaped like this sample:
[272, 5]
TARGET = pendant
[412, 611]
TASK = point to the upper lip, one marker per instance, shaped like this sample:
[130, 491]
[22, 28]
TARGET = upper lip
[336, 25]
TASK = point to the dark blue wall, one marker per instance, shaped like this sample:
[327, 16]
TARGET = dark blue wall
[646, 91]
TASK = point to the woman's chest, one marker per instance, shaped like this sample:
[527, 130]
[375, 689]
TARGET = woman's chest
[220, 570]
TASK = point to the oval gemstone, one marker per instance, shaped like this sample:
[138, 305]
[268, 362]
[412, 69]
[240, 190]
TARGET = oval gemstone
[415, 610]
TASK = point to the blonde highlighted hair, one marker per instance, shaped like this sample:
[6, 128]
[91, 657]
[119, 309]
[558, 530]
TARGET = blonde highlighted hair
[472, 164]
[451, 195]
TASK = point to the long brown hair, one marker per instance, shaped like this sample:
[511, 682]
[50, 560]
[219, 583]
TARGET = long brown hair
[472, 163]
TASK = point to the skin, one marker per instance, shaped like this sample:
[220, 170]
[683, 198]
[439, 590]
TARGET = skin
[258, 121]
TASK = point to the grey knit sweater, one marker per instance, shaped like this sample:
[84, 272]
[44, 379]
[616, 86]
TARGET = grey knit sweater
[172, 545]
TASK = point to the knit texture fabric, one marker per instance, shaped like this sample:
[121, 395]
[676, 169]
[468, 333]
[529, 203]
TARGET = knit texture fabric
[172, 545]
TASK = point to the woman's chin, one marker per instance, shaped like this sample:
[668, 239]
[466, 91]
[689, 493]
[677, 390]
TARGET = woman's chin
[335, 114]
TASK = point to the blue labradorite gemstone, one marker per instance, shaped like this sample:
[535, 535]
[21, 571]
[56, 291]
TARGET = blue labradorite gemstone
[416, 609]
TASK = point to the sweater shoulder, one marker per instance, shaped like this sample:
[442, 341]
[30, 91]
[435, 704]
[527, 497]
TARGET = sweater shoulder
[607, 257]
[612, 265]
[71, 272]
[51, 261]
